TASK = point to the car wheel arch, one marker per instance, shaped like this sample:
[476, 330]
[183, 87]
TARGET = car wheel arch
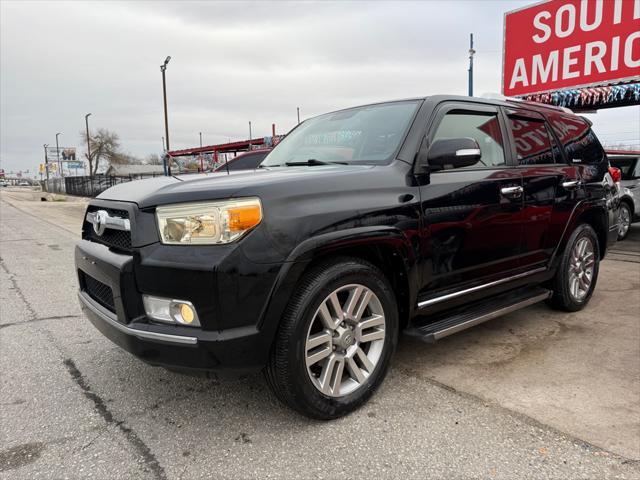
[385, 247]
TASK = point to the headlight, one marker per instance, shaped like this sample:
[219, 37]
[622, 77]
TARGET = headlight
[208, 223]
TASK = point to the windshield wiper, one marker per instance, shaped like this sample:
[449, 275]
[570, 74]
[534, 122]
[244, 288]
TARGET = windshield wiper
[312, 162]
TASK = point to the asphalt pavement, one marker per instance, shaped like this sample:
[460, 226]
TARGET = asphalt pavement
[498, 401]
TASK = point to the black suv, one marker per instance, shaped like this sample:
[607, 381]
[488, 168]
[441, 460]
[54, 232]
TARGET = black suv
[426, 216]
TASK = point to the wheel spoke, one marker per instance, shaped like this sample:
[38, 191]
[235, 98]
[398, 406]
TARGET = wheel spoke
[352, 301]
[331, 376]
[355, 371]
[326, 318]
[366, 298]
[372, 321]
[574, 286]
[318, 339]
[583, 283]
[317, 356]
[336, 307]
[372, 335]
[366, 363]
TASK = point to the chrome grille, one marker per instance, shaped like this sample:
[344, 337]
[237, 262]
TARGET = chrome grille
[117, 239]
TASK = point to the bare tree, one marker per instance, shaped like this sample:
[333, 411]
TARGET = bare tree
[153, 159]
[104, 146]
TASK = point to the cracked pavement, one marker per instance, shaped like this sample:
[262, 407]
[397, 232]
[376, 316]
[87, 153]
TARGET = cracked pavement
[509, 399]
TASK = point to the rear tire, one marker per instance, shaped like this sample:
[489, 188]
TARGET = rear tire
[344, 313]
[577, 273]
[624, 217]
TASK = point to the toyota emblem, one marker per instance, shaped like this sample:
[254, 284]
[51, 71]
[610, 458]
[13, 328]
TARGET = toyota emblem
[100, 222]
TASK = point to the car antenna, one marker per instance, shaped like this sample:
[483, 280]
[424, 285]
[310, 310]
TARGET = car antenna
[226, 162]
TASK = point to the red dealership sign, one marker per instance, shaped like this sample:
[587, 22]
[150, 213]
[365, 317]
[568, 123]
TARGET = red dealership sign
[570, 43]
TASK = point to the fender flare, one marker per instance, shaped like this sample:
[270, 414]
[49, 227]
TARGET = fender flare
[298, 260]
[579, 210]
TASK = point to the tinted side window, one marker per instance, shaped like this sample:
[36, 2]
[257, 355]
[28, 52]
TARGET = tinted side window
[637, 171]
[483, 127]
[577, 138]
[247, 162]
[534, 143]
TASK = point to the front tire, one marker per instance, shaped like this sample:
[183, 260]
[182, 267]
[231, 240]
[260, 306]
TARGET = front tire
[336, 339]
[577, 273]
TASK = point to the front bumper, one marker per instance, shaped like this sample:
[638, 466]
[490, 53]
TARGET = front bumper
[152, 344]
[239, 343]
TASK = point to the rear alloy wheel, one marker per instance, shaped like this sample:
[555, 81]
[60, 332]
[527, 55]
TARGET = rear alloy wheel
[577, 273]
[624, 218]
[335, 340]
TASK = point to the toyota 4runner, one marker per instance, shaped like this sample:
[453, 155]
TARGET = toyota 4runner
[425, 216]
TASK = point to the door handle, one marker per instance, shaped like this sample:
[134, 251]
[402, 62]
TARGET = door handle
[513, 192]
[569, 184]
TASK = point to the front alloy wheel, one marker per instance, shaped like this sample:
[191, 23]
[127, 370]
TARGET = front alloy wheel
[345, 340]
[335, 340]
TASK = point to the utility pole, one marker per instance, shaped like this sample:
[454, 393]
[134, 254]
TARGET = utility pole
[250, 135]
[46, 160]
[472, 52]
[201, 159]
[298, 110]
[163, 149]
[86, 121]
[163, 68]
[58, 154]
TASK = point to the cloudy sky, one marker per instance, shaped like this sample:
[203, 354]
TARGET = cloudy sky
[231, 63]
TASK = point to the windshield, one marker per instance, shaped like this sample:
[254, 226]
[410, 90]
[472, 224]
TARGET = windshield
[370, 134]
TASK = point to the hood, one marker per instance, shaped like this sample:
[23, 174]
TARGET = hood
[220, 185]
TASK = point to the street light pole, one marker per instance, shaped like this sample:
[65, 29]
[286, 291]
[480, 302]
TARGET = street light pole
[86, 121]
[58, 154]
[471, 54]
[163, 68]
[46, 160]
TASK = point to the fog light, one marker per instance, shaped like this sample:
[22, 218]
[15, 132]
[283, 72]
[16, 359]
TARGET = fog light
[170, 311]
[187, 315]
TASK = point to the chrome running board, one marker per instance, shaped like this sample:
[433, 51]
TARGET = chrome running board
[474, 314]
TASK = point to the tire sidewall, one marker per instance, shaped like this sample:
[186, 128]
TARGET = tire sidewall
[333, 278]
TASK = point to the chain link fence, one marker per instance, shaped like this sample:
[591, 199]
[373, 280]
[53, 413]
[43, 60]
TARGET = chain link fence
[89, 186]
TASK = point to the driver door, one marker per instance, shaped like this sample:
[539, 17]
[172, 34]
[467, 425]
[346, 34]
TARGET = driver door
[471, 230]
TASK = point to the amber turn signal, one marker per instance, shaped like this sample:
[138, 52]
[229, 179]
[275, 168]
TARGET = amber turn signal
[244, 217]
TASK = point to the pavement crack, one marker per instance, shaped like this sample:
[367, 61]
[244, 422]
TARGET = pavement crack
[19, 292]
[41, 319]
[130, 435]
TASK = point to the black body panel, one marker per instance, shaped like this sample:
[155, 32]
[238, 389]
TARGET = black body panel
[437, 233]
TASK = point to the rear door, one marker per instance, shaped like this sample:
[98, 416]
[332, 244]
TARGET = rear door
[471, 227]
[551, 186]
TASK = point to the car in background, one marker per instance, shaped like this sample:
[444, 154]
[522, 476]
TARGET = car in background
[4, 183]
[628, 162]
[24, 183]
[245, 161]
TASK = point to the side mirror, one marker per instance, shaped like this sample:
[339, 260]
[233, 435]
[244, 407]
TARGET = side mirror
[447, 153]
